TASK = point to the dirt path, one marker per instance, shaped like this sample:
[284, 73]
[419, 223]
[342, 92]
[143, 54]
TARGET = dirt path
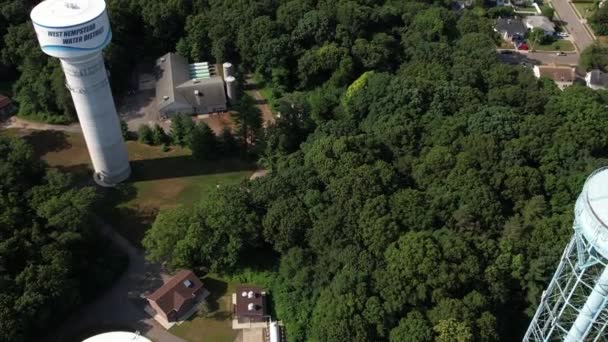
[19, 123]
[252, 88]
[123, 304]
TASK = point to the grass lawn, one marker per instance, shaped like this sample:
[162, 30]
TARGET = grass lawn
[216, 325]
[558, 45]
[159, 179]
[586, 9]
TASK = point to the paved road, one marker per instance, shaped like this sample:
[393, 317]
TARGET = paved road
[581, 36]
[538, 58]
[122, 305]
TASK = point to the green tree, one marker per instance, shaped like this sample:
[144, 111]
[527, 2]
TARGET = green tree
[159, 137]
[124, 129]
[181, 129]
[203, 142]
[547, 11]
[412, 328]
[145, 135]
[595, 57]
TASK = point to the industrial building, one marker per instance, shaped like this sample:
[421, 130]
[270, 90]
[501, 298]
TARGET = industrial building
[76, 32]
[188, 88]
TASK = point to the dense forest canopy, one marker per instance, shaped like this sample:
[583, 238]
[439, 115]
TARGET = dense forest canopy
[51, 260]
[419, 189]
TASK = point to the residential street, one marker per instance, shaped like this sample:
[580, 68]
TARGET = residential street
[564, 10]
[551, 57]
[537, 58]
[121, 306]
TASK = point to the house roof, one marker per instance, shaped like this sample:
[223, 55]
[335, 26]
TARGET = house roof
[539, 21]
[557, 73]
[4, 101]
[243, 301]
[598, 78]
[175, 76]
[174, 293]
[510, 26]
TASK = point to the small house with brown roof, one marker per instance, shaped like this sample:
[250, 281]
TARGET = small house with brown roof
[250, 305]
[176, 297]
[6, 106]
[563, 76]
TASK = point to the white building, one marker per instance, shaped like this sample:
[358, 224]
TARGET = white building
[596, 79]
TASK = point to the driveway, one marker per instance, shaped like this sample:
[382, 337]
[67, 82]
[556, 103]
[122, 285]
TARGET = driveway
[139, 109]
[123, 304]
[575, 27]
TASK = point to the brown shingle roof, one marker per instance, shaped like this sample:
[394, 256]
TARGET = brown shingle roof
[173, 294]
[558, 74]
[242, 302]
[4, 101]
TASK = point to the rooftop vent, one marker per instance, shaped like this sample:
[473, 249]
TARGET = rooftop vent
[196, 80]
[251, 307]
[197, 93]
[251, 294]
[165, 98]
[244, 294]
[187, 283]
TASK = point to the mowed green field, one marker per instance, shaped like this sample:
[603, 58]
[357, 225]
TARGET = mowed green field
[215, 325]
[159, 179]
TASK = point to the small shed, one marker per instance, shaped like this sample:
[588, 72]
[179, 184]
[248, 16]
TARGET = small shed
[250, 304]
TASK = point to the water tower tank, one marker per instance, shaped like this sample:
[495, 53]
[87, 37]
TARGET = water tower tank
[76, 31]
[231, 91]
[573, 308]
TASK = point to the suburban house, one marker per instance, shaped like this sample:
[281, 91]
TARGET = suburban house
[6, 107]
[177, 297]
[188, 88]
[541, 22]
[458, 5]
[597, 79]
[563, 76]
[249, 305]
[509, 28]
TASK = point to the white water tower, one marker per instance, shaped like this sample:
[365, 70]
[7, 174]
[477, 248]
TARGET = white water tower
[574, 306]
[76, 31]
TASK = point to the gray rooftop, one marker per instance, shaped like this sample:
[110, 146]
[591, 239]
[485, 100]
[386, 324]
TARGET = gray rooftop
[598, 78]
[539, 21]
[510, 26]
[175, 83]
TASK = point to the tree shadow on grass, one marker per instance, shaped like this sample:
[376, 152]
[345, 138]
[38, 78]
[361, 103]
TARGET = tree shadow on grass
[44, 142]
[182, 166]
[217, 289]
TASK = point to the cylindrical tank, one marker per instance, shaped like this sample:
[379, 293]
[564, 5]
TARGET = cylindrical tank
[76, 31]
[275, 332]
[227, 69]
[231, 91]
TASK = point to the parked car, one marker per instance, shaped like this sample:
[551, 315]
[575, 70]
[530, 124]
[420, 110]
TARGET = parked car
[560, 54]
[562, 34]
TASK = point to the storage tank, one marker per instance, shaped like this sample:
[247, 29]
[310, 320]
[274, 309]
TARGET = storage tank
[76, 31]
[231, 91]
[227, 67]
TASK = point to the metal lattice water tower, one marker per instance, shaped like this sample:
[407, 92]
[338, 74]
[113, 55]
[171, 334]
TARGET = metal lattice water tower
[573, 307]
